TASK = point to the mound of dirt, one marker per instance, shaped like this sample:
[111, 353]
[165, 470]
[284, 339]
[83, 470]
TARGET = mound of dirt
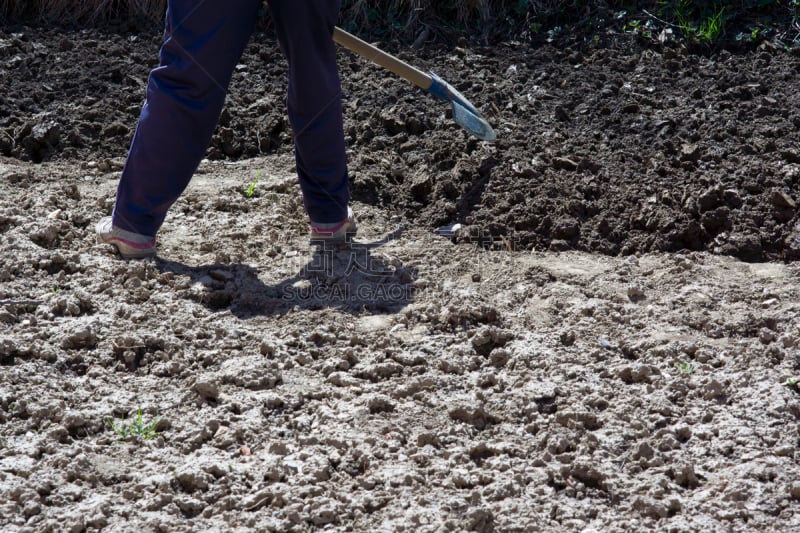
[610, 151]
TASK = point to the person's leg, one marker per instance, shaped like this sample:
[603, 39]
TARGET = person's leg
[203, 42]
[314, 103]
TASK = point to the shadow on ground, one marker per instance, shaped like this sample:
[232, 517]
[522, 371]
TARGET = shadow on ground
[349, 278]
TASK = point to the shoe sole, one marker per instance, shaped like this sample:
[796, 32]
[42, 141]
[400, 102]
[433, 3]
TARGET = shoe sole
[128, 250]
[342, 239]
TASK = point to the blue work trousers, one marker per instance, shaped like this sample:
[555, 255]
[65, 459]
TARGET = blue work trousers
[203, 41]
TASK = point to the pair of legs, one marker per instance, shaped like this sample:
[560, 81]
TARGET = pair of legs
[204, 40]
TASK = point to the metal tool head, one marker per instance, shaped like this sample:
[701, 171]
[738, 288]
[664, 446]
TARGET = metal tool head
[464, 113]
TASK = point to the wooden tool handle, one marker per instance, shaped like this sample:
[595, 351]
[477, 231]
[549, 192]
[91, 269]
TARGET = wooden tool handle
[378, 56]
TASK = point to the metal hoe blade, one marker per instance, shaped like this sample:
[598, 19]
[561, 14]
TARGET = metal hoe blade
[464, 113]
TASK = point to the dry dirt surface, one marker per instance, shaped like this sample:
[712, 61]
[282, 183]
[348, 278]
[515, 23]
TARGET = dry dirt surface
[610, 342]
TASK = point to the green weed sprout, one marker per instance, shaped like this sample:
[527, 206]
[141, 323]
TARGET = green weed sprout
[685, 367]
[136, 427]
[251, 189]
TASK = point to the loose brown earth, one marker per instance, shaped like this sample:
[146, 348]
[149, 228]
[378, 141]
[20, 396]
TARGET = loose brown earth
[590, 352]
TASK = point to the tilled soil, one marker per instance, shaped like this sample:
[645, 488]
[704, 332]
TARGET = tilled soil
[615, 150]
[588, 352]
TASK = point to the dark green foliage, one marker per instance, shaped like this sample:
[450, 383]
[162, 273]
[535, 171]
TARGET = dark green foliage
[486, 21]
[695, 21]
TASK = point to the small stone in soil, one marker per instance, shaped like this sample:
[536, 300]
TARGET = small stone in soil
[207, 389]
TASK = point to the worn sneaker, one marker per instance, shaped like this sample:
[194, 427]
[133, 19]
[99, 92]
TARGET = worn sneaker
[129, 244]
[336, 232]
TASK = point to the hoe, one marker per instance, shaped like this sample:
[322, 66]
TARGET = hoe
[464, 113]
